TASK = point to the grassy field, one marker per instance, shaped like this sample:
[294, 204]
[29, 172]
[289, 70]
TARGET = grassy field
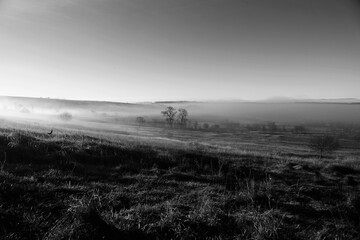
[141, 182]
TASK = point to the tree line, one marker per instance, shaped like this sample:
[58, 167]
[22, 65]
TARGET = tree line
[322, 144]
[171, 115]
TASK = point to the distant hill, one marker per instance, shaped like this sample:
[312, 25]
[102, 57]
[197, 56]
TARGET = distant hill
[58, 105]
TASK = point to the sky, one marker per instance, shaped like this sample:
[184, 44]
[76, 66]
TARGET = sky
[169, 50]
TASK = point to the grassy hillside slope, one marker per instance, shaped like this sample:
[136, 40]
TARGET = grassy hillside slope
[83, 186]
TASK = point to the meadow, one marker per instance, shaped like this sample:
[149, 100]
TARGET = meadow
[146, 182]
[100, 174]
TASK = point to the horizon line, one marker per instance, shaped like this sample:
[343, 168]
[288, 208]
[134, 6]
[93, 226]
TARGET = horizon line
[272, 99]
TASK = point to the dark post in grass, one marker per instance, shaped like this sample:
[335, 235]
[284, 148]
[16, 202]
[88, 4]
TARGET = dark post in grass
[324, 144]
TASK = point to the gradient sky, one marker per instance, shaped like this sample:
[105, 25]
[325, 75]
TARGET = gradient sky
[149, 50]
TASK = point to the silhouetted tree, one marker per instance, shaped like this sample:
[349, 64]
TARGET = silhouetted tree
[324, 144]
[140, 120]
[182, 117]
[169, 114]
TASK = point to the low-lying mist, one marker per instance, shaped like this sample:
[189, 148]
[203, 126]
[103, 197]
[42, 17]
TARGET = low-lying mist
[105, 114]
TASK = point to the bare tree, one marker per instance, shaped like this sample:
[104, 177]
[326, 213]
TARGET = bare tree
[182, 117]
[140, 120]
[324, 144]
[196, 125]
[169, 114]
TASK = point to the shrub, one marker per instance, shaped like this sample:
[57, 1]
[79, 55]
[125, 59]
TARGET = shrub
[65, 116]
[299, 129]
[324, 144]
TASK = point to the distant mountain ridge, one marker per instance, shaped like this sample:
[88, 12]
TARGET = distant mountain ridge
[99, 102]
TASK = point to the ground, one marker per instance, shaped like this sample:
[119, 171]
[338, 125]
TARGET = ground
[175, 184]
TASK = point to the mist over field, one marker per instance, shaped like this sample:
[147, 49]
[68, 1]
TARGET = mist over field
[283, 111]
[179, 170]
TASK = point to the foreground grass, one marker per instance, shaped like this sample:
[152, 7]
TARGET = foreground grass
[82, 187]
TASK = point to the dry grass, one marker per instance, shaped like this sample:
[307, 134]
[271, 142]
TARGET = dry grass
[91, 186]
